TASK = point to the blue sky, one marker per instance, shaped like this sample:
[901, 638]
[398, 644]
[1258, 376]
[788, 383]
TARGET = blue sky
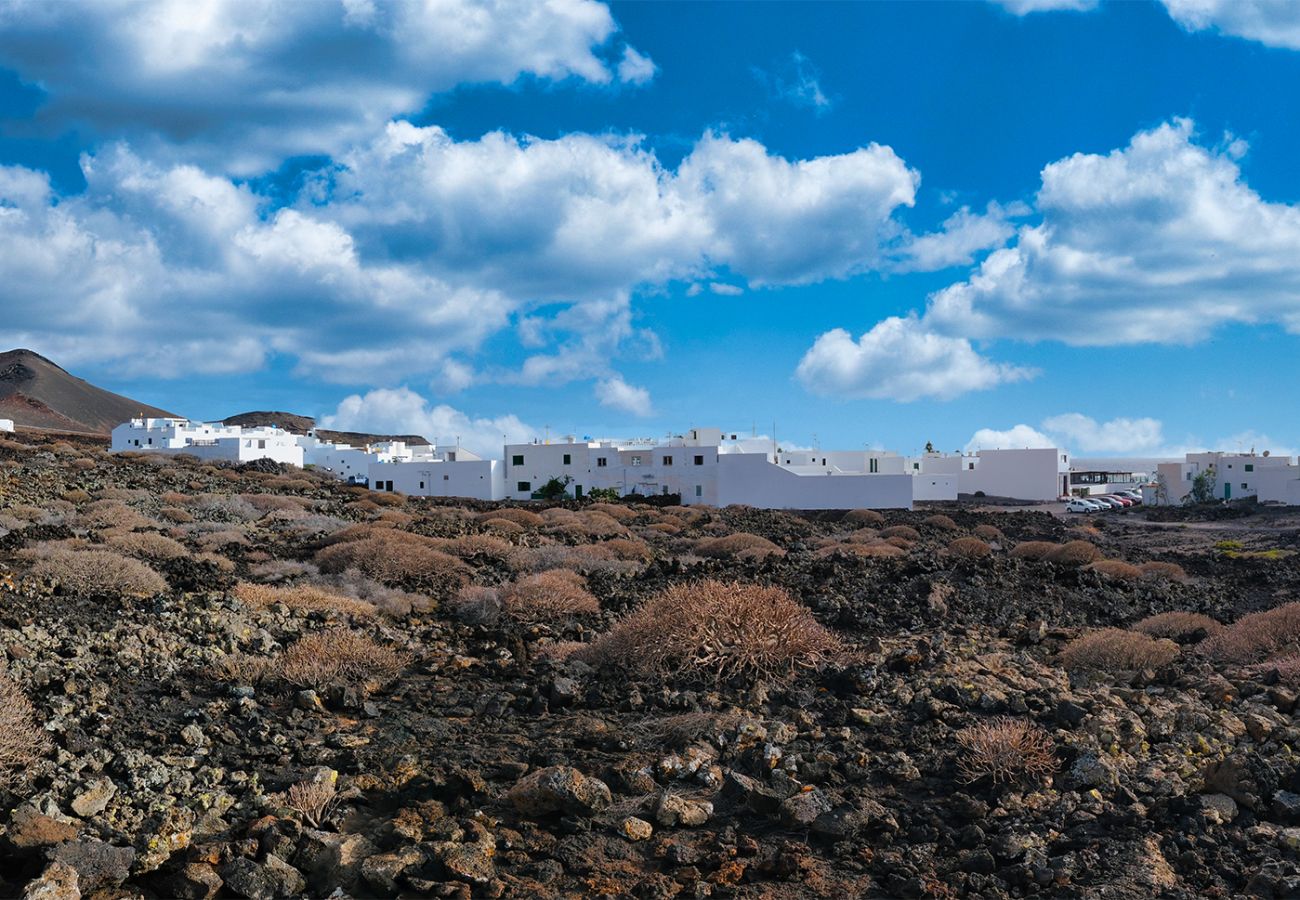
[993, 224]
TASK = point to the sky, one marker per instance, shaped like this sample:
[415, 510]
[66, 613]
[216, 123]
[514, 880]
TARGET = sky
[977, 224]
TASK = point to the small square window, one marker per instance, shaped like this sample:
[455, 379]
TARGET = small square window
[970, 466]
[524, 486]
[636, 460]
[568, 459]
[1244, 486]
[668, 460]
[699, 461]
[517, 459]
[1250, 467]
[448, 477]
[600, 462]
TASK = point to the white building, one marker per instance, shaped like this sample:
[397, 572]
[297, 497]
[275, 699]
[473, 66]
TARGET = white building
[207, 440]
[1269, 479]
[448, 475]
[1036, 475]
[6, 424]
[707, 466]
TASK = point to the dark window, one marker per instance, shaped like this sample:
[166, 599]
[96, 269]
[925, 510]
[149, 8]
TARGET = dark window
[568, 460]
[970, 465]
[517, 460]
[421, 485]
[699, 461]
[699, 490]
[600, 462]
[448, 477]
[151, 440]
[1250, 467]
[525, 486]
[668, 461]
[1244, 487]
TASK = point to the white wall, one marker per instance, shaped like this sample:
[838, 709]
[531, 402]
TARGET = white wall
[934, 486]
[1027, 474]
[752, 480]
[6, 424]
[207, 441]
[474, 479]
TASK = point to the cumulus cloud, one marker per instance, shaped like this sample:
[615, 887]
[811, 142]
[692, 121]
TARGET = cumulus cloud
[898, 359]
[1161, 241]
[1025, 7]
[1018, 437]
[616, 393]
[962, 237]
[245, 83]
[1120, 435]
[1275, 23]
[403, 411]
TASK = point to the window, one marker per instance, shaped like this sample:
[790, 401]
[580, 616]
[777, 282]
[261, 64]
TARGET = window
[699, 490]
[517, 459]
[916, 467]
[699, 461]
[600, 462]
[568, 459]
[151, 440]
[261, 445]
[524, 486]
[1250, 467]
[421, 485]
[451, 457]
[1244, 486]
[636, 460]
[668, 460]
[875, 465]
[970, 466]
[448, 477]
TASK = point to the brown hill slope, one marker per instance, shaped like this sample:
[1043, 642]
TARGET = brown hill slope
[36, 393]
[297, 424]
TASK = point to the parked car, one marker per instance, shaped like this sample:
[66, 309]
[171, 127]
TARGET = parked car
[1080, 506]
[1121, 499]
[1106, 502]
[1135, 496]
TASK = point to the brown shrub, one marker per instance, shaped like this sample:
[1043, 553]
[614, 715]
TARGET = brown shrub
[301, 597]
[906, 532]
[240, 669]
[525, 517]
[175, 514]
[863, 517]
[941, 522]
[1163, 571]
[467, 546]
[989, 533]
[1183, 627]
[22, 741]
[147, 545]
[1032, 549]
[901, 543]
[112, 514]
[76, 495]
[616, 512]
[1006, 749]
[1074, 553]
[393, 556]
[599, 525]
[723, 628]
[1117, 650]
[969, 548]
[1115, 568]
[554, 594]
[173, 498]
[1258, 636]
[734, 544]
[880, 550]
[665, 528]
[622, 548]
[312, 799]
[476, 604]
[379, 499]
[339, 657]
[502, 526]
[863, 536]
[227, 537]
[96, 573]
[1286, 668]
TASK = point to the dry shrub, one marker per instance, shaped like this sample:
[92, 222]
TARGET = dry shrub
[558, 514]
[622, 548]
[941, 522]
[600, 525]
[173, 498]
[1117, 650]
[558, 651]
[363, 507]
[227, 537]
[525, 517]
[221, 563]
[84, 464]
[503, 526]
[906, 532]
[76, 495]
[863, 536]
[272, 502]
[555, 594]
[312, 799]
[1006, 749]
[468, 546]
[1032, 549]
[614, 511]
[147, 545]
[385, 498]
[726, 629]
[1115, 568]
[95, 573]
[1163, 571]
[901, 543]
[863, 517]
[240, 669]
[734, 544]
[879, 550]
[1258, 636]
[112, 514]
[301, 598]
[969, 548]
[339, 657]
[393, 556]
[175, 514]
[1183, 627]
[667, 528]
[22, 741]
[1286, 669]
[476, 604]
[989, 533]
[1074, 553]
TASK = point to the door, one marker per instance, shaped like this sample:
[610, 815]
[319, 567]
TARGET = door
[577, 492]
[1227, 490]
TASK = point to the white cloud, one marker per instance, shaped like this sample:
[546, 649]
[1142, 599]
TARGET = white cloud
[963, 235]
[899, 360]
[1275, 23]
[1025, 7]
[799, 83]
[616, 393]
[1018, 437]
[1121, 435]
[244, 83]
[726, 290]
[1161, 241]
[635, 68]
[402, 411]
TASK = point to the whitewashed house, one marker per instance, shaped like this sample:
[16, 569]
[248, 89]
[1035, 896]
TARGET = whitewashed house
[1036, 475]
[207, 440]
[450, 472]
[6, 424]
[1237, 476]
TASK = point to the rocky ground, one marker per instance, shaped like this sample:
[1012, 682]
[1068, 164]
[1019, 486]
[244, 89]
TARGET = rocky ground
[497, 760]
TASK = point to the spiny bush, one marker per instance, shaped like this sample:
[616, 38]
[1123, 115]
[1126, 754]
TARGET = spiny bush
[339, 657]
[175, 514]
[240, 669]
[1074, 553]
[726, 629]
[879, 550]
[1287, 669]
[103, 514]
[941, 522]
[1117, 650]
[734, 544]
[988, 533]
[969, 548]
[863, 536]
[667, 528]
[301, 597]
[468, 546]
[601, 525]
[393, 556]
[312, 799]
[1258, 636]
[226, 537]
[863, 517]
[476, 604]
[147, 545]
[1114, 568]
[614, 511]
[22, 741]
[1005, 749]
[1183, 627]
[623, 548]
[555, 594]
[1163, 571]
[524, 517]
[901, 543]
[502, 526]
[95, 573]
[906, 532]
[1032, 549]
